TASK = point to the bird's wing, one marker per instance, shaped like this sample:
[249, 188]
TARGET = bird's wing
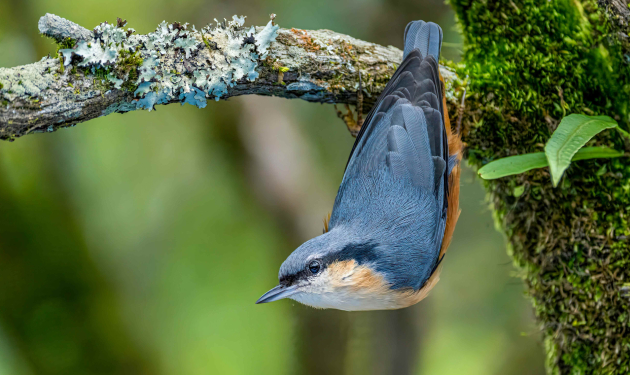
[405, 129]
[407, 137]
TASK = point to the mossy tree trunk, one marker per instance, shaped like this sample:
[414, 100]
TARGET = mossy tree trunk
[529, 64]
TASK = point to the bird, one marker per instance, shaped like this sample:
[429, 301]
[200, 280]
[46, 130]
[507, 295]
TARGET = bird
[398, 202]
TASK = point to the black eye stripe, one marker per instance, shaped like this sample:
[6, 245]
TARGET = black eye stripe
[362, 253]
[305, 273]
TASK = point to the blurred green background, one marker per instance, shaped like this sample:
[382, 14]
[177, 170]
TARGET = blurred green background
[138, 243]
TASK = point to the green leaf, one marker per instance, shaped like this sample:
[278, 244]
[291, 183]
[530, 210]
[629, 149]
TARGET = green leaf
[570, 136]
[523, 163]
[518, 191]
[596, 153]
[513, 165]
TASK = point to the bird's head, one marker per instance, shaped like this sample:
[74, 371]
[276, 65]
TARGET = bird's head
[337, 271]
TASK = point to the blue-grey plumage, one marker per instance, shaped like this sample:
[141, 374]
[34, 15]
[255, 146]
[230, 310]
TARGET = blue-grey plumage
[386, 234]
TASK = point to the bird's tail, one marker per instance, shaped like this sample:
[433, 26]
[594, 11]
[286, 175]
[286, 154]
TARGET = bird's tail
[427, 38]
[424, 36]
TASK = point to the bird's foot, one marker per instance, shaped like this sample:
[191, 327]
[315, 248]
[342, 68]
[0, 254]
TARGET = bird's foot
[354, 126]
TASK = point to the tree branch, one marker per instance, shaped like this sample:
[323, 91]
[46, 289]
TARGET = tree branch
[112, 70]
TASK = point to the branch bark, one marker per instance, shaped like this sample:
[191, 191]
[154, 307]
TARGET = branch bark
[111, 70]
[618, 15]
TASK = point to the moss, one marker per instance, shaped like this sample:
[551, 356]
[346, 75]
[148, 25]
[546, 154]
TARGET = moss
[127, 68]
[129, 60]
[100, 82]
[99, 72]
[529, 63]
[67, 43]
[64, 44]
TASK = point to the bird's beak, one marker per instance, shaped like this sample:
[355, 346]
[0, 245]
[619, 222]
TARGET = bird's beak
[279, 292]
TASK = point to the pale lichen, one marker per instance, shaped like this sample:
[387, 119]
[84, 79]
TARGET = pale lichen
[60, 28]
[173, 66]
[29, 80]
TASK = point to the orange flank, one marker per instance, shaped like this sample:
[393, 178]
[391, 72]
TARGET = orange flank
[326, 221]
[455, 147]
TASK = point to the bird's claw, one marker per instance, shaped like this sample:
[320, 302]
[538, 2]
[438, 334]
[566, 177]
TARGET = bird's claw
[354, 126]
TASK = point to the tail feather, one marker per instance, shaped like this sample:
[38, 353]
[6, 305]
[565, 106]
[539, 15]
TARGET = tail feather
[411, 29]
[424, 36]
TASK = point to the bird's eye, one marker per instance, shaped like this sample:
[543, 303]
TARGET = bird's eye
[314, 267]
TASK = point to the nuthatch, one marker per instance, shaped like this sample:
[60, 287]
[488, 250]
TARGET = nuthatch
[397, 205]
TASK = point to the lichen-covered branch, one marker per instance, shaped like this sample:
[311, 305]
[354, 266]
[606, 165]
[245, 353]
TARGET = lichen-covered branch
[111, 69]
